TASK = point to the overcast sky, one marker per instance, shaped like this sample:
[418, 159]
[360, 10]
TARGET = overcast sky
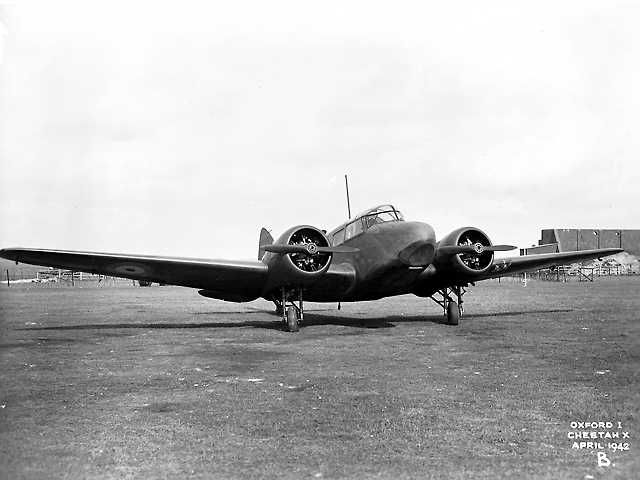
[182, 131]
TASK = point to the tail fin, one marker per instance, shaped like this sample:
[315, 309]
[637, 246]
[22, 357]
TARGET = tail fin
[265, 239]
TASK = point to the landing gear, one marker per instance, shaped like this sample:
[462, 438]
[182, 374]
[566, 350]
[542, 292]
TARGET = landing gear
[292, 319]
[279, 307]
[452, 310]
[291, 307]
[453, 313]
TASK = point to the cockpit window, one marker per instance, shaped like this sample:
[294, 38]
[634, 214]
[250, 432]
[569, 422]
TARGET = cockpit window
[353, 229]
[380, 217]
[367, 220]
[338, 237]
[382, 214]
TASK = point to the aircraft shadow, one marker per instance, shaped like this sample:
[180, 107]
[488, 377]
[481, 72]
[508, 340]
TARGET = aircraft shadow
[311, 319]
[253, 311]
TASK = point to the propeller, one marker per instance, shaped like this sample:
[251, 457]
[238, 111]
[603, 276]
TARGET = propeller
[476, 248]
[308, 249]
[500, 248]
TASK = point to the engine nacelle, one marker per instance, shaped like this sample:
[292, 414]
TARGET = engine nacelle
[305, 268]
[466, 263]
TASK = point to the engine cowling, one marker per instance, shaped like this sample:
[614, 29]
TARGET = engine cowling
[304, 267]
[467, 263]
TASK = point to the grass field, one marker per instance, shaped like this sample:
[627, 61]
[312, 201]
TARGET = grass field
[158, 382]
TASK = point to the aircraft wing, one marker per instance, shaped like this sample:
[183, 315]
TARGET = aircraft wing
[525, 263]
[239, 280]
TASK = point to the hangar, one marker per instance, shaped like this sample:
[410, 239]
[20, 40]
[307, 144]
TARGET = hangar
[572, 239]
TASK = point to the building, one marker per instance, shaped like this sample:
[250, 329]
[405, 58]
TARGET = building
[536, 249]
[572, 239]
[554, 240]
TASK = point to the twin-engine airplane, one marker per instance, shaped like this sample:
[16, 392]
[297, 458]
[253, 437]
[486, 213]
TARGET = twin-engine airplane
[377, 254]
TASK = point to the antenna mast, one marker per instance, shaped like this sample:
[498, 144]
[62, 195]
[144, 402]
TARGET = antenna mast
[346, 184]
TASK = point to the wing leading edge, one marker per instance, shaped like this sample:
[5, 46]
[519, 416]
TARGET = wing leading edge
[524, 263]
[239, 280]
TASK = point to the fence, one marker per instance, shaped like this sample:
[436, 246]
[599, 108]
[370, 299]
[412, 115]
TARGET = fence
[61, 277]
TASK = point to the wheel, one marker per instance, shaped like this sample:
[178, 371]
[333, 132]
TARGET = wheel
[453, 313]
[292, 319]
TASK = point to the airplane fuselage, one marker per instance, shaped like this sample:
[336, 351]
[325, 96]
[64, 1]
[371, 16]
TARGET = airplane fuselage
[389, 258]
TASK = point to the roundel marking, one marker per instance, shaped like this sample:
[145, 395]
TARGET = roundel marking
[129, 269]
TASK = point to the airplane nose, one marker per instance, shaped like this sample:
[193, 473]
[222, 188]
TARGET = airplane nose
[422, 247]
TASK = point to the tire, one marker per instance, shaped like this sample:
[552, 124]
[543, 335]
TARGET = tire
[453, 313]
[292, 319]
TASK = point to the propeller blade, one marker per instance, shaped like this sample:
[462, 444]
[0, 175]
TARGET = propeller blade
[499, 248]
[285, 249]
[474, 249]
[308, 249]
[338, 249]
[454, 250]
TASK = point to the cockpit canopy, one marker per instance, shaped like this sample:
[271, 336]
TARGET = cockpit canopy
[364, 221]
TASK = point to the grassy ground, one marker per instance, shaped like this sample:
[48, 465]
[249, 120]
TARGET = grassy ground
[158, 382]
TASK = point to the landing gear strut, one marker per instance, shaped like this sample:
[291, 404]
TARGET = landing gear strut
[291, 307]
[279, 307]
[452, 310]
